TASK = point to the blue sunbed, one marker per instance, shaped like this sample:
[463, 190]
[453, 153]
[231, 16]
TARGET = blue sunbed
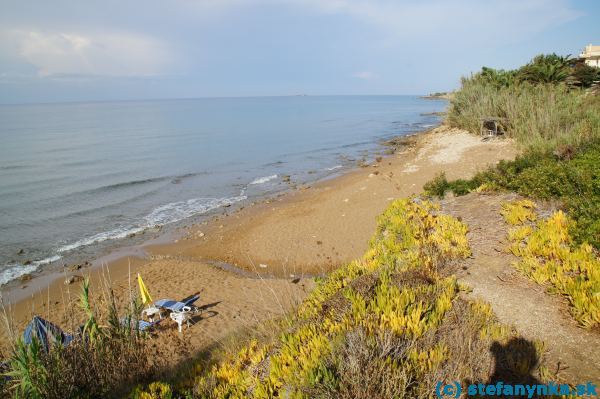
[46, 333]
[176, 306]
[142, 325]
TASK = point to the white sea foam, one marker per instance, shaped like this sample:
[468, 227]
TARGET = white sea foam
[165, 214]
[264, 179]
[120, 232]
[14, 271]
[334, 167]
[176, 211]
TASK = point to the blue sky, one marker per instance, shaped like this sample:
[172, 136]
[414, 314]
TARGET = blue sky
[65, 50]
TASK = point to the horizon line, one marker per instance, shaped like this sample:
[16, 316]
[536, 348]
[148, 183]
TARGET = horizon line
[206, 98]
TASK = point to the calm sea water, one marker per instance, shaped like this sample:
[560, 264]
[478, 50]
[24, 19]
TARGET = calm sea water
[73, 176]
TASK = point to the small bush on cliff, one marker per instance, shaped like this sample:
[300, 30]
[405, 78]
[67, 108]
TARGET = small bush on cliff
[584, 75]
[440, 185]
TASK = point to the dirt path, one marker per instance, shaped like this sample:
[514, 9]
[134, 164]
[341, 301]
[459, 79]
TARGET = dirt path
[517, 301]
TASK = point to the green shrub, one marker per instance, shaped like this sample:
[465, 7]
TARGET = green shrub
[462, 187]
[553, 120]
[437, 187]
[584, 75]
[574, 182]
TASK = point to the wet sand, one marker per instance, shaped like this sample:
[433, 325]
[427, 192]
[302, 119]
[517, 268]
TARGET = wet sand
[277, 244]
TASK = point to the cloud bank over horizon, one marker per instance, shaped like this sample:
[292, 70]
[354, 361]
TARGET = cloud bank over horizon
[66, 51]
[108, 54]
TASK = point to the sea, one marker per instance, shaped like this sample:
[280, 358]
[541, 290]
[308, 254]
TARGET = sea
[77, 179]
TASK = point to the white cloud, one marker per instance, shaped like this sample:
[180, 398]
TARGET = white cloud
[364, 75]
[106, 54]
[503, 19]
[469, 20]
[451, 25]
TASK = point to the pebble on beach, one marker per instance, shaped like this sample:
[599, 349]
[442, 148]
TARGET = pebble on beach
[74, 267]
[73, 279]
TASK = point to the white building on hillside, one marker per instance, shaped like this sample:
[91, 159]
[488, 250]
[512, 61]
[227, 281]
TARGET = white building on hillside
[591, 55]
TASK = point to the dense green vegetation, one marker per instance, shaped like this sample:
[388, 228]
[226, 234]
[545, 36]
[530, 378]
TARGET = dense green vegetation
[555, 119]
[574, 182]
[545, 104]
[544, 68]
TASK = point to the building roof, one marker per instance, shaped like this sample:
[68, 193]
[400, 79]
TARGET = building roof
[590, 51]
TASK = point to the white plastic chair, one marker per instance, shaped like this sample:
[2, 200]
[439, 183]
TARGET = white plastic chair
[184, 315]
[152, 311]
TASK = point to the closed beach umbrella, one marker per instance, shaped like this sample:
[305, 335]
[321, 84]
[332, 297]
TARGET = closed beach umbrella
[144, 294]
[45, 332]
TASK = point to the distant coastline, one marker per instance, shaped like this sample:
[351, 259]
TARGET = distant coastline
[440, 96]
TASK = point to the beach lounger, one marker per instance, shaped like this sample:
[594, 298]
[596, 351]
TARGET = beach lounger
[142, 325]
[176, 306]
[181, 311]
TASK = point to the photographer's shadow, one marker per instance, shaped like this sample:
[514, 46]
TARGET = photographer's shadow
[515, 362]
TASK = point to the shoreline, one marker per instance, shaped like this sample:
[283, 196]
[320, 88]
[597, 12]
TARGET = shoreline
[134, 246]
[283, 240]
[136, 202]
[313, 231]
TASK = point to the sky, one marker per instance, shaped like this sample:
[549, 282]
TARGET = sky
[102, 50]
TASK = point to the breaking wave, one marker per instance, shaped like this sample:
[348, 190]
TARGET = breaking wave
[14, 271]
[264, 179]
[164, 214]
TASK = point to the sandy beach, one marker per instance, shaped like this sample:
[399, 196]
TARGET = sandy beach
[312, 231]
[255, 263]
